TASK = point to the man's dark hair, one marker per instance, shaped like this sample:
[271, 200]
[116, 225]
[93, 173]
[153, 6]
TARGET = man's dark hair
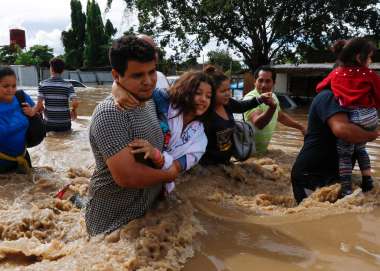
[129, 48]
[265, 68]
[6, 71]
[57, 65]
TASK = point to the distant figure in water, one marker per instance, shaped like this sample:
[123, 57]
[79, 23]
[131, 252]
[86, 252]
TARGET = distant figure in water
[357, 89]
[54, 94]
[265, 116]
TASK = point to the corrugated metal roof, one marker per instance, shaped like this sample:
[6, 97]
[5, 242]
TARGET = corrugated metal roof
[314, 66]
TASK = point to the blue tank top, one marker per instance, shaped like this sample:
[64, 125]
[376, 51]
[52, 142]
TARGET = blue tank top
[13, 127]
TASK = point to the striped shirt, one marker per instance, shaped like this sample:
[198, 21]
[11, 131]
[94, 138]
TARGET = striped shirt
[56, 93]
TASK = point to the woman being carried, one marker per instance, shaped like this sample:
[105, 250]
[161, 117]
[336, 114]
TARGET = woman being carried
[357, 88]
[182, 112]
[221, 124]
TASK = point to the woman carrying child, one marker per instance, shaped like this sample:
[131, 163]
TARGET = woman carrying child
[357, 88]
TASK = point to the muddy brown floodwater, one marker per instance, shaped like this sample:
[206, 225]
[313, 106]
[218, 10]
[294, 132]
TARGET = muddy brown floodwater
[240, 217]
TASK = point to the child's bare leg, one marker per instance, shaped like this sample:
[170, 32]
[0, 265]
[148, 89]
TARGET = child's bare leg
[366, 172]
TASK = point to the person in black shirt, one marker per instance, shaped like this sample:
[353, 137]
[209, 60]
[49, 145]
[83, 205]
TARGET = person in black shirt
[220, 127]
[317, 163]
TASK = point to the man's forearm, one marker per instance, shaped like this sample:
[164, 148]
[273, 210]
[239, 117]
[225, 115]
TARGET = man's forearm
[143, 176]
[354, 134]
[264, 118]
[127, 172]
[342, 128]
[288, 121]
[74, 104]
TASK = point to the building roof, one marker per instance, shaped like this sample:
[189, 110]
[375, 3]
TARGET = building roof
[312, 67]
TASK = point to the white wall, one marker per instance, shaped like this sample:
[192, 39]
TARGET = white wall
[26, 75]
[281, 85]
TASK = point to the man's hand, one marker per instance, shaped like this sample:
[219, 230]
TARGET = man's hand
[267, 99]
[174, 170]
[73, 114]
[303, 130]
[122, 98]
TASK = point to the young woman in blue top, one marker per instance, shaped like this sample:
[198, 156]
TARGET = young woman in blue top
[13, 123]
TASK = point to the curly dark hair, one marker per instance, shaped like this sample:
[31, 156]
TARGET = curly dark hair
[128, 48]
[347, 50]
[6, 71]
[183, 91]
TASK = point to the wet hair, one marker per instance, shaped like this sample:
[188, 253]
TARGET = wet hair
[57, 65]
[216, 75]
[6, 71]
[265, 68]
[183, 91]
[127, 48]
[347, 50]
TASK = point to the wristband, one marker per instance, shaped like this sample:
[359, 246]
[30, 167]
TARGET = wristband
[157, 155]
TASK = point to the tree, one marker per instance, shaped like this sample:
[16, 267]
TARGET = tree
[38, 55]
[73, 39]
[9, 53]
[109, 30]
[97, 37]
[223, 59]
[359, 19]
[262, 31]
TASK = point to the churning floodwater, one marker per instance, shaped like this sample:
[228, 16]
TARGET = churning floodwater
[240, 217]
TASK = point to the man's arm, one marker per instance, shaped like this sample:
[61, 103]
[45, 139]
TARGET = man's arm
[286, 120]
[261, 119]
[127, 172]
[39, 105]
[342, 128]
[74, 106]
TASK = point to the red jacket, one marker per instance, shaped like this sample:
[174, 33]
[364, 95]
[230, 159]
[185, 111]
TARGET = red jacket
[353, 86]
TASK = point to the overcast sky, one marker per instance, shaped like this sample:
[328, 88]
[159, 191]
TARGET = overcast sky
[44, 20]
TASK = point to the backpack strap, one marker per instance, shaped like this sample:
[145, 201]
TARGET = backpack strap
[20, 96]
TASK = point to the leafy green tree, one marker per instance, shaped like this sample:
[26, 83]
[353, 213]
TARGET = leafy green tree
[8, 54]
[73, 39]
[223, 59]
[109, 30]
[262, 31]
[38, 55]
[97, 37]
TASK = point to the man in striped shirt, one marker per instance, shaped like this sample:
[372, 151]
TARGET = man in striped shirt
[55, 93]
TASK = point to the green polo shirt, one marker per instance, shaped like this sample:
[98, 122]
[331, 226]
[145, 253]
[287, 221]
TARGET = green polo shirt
[262, 136]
